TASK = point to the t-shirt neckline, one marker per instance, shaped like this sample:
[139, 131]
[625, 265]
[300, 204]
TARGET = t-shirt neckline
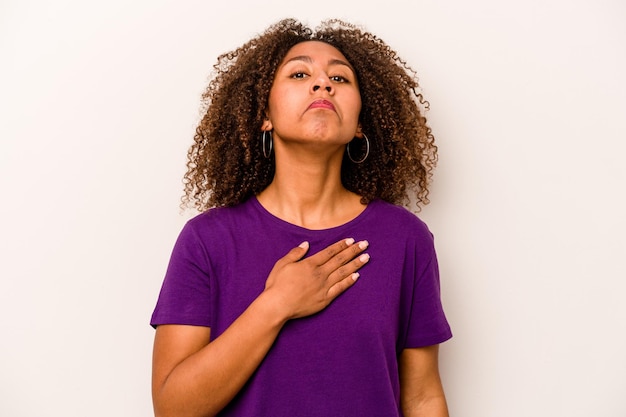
[293, 227]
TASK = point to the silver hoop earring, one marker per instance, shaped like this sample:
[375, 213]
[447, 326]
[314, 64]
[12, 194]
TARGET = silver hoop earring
[367, 151]
[267, 152]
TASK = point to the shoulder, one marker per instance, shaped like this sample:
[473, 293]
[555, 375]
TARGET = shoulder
[398, 220]
[208, 231]
[219, 219]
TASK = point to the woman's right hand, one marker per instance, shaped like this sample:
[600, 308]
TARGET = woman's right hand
[301, 287]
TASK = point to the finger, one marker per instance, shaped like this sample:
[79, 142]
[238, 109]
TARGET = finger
[345, 256]
[294, 254]
[331, 251]
[347, 276]
[349, 269]
[343, 285]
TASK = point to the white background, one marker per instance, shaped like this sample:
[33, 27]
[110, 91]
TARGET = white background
[98, 103]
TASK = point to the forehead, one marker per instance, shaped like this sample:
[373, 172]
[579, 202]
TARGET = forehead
[315, 50]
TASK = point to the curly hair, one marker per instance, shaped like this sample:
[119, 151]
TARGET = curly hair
[226, 165]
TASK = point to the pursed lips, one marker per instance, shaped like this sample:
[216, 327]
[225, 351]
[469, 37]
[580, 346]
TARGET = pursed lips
[322, 104]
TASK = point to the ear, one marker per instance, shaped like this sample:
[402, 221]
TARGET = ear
[267, 125]
[359, 132]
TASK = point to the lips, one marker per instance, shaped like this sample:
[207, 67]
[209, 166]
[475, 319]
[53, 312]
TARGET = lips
[322, 104]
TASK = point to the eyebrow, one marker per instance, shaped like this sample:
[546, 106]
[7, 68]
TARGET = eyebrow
[308, 59]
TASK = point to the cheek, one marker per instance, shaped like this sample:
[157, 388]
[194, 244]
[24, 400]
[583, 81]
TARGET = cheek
[357, 105]
[278, 102]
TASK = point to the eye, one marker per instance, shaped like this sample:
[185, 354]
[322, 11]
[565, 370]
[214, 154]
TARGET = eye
[338, 79]
[298, 75]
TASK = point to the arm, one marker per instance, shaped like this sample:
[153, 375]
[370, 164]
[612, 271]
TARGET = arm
[421, 392]
[192, 377]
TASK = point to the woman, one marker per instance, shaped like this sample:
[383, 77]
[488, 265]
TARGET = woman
[302, 289]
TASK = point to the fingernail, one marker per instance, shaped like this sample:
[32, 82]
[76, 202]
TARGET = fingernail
[304, 245]
[355, 276]
[349, 241]
[364, 244]
[364, 258]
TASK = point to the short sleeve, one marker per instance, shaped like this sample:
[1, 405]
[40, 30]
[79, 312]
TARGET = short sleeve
[185, 296]
[426, 323]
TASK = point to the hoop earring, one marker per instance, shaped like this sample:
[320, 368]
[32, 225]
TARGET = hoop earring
[367, 151]
[267, 152]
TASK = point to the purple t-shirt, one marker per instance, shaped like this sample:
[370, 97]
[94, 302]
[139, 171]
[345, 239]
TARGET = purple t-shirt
[342, 361]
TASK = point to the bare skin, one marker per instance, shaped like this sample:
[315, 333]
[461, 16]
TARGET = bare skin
[421, 391]
[313, 113]
[310, 138]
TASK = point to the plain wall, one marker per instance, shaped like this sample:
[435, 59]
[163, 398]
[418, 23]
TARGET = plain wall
[98, 103]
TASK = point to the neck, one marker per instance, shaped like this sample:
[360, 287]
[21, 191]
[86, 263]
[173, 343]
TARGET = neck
[307, 191]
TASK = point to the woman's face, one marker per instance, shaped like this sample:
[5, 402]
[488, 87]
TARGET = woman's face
[315, 97]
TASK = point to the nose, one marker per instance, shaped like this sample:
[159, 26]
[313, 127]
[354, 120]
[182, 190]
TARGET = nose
[322, 81]
[327, 88]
